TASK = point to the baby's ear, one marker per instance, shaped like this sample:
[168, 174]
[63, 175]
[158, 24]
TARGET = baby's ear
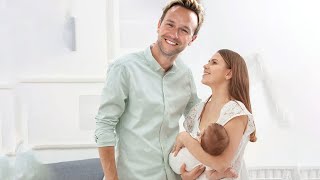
[199, 139]
[201, 135]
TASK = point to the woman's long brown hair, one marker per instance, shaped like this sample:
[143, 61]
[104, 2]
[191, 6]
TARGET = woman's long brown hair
[239, 83]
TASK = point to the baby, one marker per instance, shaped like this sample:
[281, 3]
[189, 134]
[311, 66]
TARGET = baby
[214, 140]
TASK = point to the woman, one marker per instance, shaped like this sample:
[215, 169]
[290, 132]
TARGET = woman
[229, 105]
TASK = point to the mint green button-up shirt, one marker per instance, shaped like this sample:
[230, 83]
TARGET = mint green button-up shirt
[141, 105]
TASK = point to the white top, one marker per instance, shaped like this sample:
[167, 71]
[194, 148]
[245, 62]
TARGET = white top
[229, 111]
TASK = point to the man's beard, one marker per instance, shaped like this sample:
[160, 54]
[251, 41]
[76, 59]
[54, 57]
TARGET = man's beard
[174, 52]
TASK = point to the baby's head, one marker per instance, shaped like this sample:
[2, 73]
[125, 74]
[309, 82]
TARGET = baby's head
[214, 139]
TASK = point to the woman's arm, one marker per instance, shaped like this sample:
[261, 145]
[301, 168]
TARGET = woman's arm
[235, 129]
[185, 140]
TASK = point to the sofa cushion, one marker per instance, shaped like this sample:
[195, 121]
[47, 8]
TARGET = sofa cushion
[88, 169]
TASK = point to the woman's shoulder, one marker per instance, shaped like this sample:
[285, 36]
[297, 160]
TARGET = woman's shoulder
[234, 107]
[231, 110]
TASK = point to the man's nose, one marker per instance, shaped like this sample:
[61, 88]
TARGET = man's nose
[174, 33]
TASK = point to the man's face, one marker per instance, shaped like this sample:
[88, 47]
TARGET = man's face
[176, 30]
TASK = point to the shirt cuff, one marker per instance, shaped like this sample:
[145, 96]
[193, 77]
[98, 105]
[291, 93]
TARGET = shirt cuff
[105, 140]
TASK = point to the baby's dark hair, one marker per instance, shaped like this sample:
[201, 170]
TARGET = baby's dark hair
[215, 139]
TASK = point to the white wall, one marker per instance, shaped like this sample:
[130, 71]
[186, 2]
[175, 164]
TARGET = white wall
[7, 130]
[283, 36]
[46, 67]
[46, 78]
[37, 37]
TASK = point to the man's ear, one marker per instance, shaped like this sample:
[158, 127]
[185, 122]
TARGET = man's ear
[194, 37]
[229, 75]
[159, 24]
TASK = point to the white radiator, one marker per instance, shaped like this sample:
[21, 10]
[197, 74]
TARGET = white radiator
[284, 173]
[309, 173]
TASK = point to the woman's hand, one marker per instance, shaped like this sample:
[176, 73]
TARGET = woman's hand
[193, 174]
[179, 143]
[214, 175]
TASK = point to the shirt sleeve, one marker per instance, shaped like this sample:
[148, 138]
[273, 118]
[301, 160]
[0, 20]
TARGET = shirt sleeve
[194, 99]
[113, 102]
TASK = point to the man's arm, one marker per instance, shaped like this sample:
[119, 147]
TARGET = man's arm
[113, 103]
[107, 159]
[194, 99]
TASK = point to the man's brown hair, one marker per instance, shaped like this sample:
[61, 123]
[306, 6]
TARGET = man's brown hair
[192, 5]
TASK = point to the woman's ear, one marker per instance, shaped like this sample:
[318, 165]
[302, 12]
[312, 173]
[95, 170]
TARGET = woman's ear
[229, 75]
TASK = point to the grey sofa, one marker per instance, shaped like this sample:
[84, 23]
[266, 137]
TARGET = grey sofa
[88, 169]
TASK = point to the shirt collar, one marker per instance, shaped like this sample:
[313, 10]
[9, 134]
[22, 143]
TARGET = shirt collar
[154, 63]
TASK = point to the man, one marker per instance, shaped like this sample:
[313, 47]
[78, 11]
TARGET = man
[144, 97]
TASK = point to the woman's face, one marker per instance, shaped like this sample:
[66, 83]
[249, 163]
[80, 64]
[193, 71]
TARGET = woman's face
[215, 71]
